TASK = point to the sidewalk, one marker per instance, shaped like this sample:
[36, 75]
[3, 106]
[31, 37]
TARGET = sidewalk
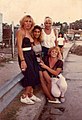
[21, 111]
[67, 47]
[8, 71]
[72, 107]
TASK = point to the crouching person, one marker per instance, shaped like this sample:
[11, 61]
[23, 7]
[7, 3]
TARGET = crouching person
[59, 87]
[54, 80]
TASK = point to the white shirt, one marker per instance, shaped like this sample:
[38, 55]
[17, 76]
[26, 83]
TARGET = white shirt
[60, 41]
[37, 49]
[49, 40]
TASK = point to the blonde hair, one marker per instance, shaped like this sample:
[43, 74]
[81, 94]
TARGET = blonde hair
[52, 48]
[47, 19]
[24, 19]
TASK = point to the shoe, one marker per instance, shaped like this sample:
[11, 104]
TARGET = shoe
[63, 60]
[62, 99]
[36, 99]
[54, 101]
[27, 100]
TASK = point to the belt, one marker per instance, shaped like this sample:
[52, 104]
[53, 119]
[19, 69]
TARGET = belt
[26, 49]
[55, 76]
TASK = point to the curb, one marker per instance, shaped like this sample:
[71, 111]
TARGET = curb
[9, 91]
[66, 51]
[27, 112]
[31, 112]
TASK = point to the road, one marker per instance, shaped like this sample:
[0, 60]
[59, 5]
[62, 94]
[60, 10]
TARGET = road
[72, 108]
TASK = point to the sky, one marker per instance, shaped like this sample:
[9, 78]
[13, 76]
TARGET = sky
[59, 10]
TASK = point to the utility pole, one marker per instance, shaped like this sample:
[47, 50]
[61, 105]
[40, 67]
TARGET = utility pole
[1, 31]
[13, 45]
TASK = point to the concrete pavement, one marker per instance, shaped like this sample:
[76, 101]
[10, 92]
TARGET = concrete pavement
[29, 112]
[72, 108]
[8, 71]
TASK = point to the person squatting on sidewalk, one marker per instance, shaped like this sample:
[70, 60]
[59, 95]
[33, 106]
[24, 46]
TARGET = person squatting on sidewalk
[55, 81]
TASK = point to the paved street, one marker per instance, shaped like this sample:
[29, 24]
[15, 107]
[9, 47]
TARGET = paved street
[72, 108]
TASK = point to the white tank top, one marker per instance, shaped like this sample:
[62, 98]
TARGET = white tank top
[49, 40]
[60, 41]
[37, 49]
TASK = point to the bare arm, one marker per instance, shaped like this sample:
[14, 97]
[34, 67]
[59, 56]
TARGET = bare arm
[55, 33]
[64, 42]
[52, 71]
[19, 46]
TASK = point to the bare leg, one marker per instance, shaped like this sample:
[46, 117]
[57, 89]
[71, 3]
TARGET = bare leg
[61, 49]
[48, 80]
[45, 87]
[28, 91]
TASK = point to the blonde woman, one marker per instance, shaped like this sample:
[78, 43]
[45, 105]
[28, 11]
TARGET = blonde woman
[49, 36]
[27, 60]
[55, 81]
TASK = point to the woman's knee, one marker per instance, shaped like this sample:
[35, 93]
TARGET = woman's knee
[55, 93]
[49, 81]
[63, 86]
[62, 83]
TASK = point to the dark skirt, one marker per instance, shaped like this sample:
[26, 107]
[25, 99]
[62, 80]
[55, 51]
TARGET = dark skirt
[31, 74]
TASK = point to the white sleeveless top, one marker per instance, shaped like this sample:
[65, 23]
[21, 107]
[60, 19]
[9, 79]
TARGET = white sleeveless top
[60, 41]
[49, 40]
[37, 49]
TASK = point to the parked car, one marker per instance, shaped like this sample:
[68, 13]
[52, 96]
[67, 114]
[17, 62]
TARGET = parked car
[70, 36]
[77, 36]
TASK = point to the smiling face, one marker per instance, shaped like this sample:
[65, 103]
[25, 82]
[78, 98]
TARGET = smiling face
[54, 53]
[36, 33]
[48, 23]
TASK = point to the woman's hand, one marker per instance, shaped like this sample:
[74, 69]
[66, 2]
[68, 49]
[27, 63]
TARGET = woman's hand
[23, 65]
[41, 61]
[43, 65]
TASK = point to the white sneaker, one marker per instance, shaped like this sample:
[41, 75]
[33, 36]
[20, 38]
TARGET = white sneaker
[36, 99]
[54, 101]
[27, 100]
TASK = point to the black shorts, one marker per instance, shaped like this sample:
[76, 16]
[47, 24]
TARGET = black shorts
[60, 46]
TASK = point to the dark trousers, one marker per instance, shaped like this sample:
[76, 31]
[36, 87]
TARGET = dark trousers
[44, 51]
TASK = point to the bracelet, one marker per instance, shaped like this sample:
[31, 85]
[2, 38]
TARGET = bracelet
[22, 60]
